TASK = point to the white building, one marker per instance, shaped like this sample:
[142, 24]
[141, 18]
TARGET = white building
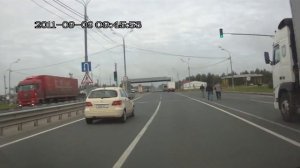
[194, 85]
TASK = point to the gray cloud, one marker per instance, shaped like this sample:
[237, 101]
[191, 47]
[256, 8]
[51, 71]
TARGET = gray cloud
[181, 27]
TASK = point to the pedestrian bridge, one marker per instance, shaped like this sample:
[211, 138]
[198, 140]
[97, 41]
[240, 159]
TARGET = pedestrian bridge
[147, 80]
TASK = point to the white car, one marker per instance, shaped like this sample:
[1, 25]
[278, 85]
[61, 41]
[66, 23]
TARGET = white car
[110, 102]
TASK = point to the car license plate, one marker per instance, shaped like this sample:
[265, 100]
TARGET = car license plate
[101, 105]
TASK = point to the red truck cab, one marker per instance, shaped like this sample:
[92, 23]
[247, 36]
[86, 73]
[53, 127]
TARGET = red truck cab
[45, 88]
[29, 92]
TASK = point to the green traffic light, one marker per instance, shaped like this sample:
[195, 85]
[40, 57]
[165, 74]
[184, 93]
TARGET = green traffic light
[221, 33]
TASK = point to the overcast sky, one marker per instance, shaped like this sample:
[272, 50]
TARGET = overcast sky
[188, 28]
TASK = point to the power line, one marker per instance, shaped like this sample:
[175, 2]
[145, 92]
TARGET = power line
[65, 19]
[69, 8]
[213, 64]
[47, 10]
[67, 61]
[78, 14]
[175, 55]
[60, 10]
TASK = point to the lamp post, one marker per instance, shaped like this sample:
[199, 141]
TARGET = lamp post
[97, 66]
[124, 52]
[229, 53]
[189, 69]
[9, 78]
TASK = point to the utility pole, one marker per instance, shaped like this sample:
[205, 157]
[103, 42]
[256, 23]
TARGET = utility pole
[85, 39]
[116, 77]
[4, 84]
[124, 57]
[125, 79]
[232, 75]
[9, 78]
[189, 70]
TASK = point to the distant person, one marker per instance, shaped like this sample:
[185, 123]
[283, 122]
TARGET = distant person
[202, 90]
[209, 90]
[218, 90]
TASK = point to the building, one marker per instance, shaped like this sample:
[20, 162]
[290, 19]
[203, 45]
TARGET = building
[244, 79]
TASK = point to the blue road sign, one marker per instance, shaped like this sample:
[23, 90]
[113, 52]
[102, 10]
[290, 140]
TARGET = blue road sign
[86, 66]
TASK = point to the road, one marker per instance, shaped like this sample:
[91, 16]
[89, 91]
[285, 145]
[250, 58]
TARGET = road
[169, 130]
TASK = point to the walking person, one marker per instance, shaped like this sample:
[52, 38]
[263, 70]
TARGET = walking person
[209, 90]
[202, 90]
[218, 90]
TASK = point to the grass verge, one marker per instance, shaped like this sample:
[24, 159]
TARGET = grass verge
[6, 106]
[258, 89]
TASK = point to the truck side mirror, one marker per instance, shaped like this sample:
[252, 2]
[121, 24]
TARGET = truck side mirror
[267, 58]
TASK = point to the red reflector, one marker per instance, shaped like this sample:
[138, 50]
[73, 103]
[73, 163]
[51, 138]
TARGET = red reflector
[88, 104]
[117, 103]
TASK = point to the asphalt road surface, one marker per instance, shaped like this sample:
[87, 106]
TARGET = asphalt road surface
[169, 130]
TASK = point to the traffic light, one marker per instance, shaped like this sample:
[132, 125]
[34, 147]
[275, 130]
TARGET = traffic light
[115, 76]
[221, 33]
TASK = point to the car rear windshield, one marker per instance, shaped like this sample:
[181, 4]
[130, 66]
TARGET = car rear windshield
[103, 94]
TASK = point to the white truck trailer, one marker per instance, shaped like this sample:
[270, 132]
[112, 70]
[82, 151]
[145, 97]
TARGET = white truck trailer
[285, 62]
[171, 86]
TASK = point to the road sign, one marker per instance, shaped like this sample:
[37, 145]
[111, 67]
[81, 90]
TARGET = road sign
[86, 66]
[86, 80]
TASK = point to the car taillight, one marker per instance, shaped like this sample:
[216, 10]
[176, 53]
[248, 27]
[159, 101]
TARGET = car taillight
[117, 103]
[88, 104]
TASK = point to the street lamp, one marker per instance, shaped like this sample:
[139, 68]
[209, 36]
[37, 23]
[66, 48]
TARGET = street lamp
[123, 39]
[232, 80]
[9, 77]
[98, 65]
[189, 69]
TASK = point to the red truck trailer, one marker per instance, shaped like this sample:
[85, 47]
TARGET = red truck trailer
[44, 88]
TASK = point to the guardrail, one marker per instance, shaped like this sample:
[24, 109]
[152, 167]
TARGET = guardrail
[34, 115]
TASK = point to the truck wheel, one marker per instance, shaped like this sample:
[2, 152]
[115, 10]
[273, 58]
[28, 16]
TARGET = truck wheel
[123, 117]
[89, 120]
[287, 108]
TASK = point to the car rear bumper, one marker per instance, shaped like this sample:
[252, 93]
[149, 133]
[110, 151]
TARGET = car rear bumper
[116, 113]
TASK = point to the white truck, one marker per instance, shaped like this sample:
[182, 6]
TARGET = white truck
[171, 86]
[285, 63]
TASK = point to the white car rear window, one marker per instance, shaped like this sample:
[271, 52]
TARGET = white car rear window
[103, 94]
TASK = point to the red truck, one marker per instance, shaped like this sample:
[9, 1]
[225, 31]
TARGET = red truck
[44, 88]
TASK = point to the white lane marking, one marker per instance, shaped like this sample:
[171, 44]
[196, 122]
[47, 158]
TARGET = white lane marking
[260, 118]
[138, 97]
[142, 102]
[129, 149]
[266, 102]
[293, 142]
[31, 136]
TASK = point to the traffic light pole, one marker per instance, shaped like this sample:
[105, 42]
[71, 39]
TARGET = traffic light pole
[244, 34]
[116, 75]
